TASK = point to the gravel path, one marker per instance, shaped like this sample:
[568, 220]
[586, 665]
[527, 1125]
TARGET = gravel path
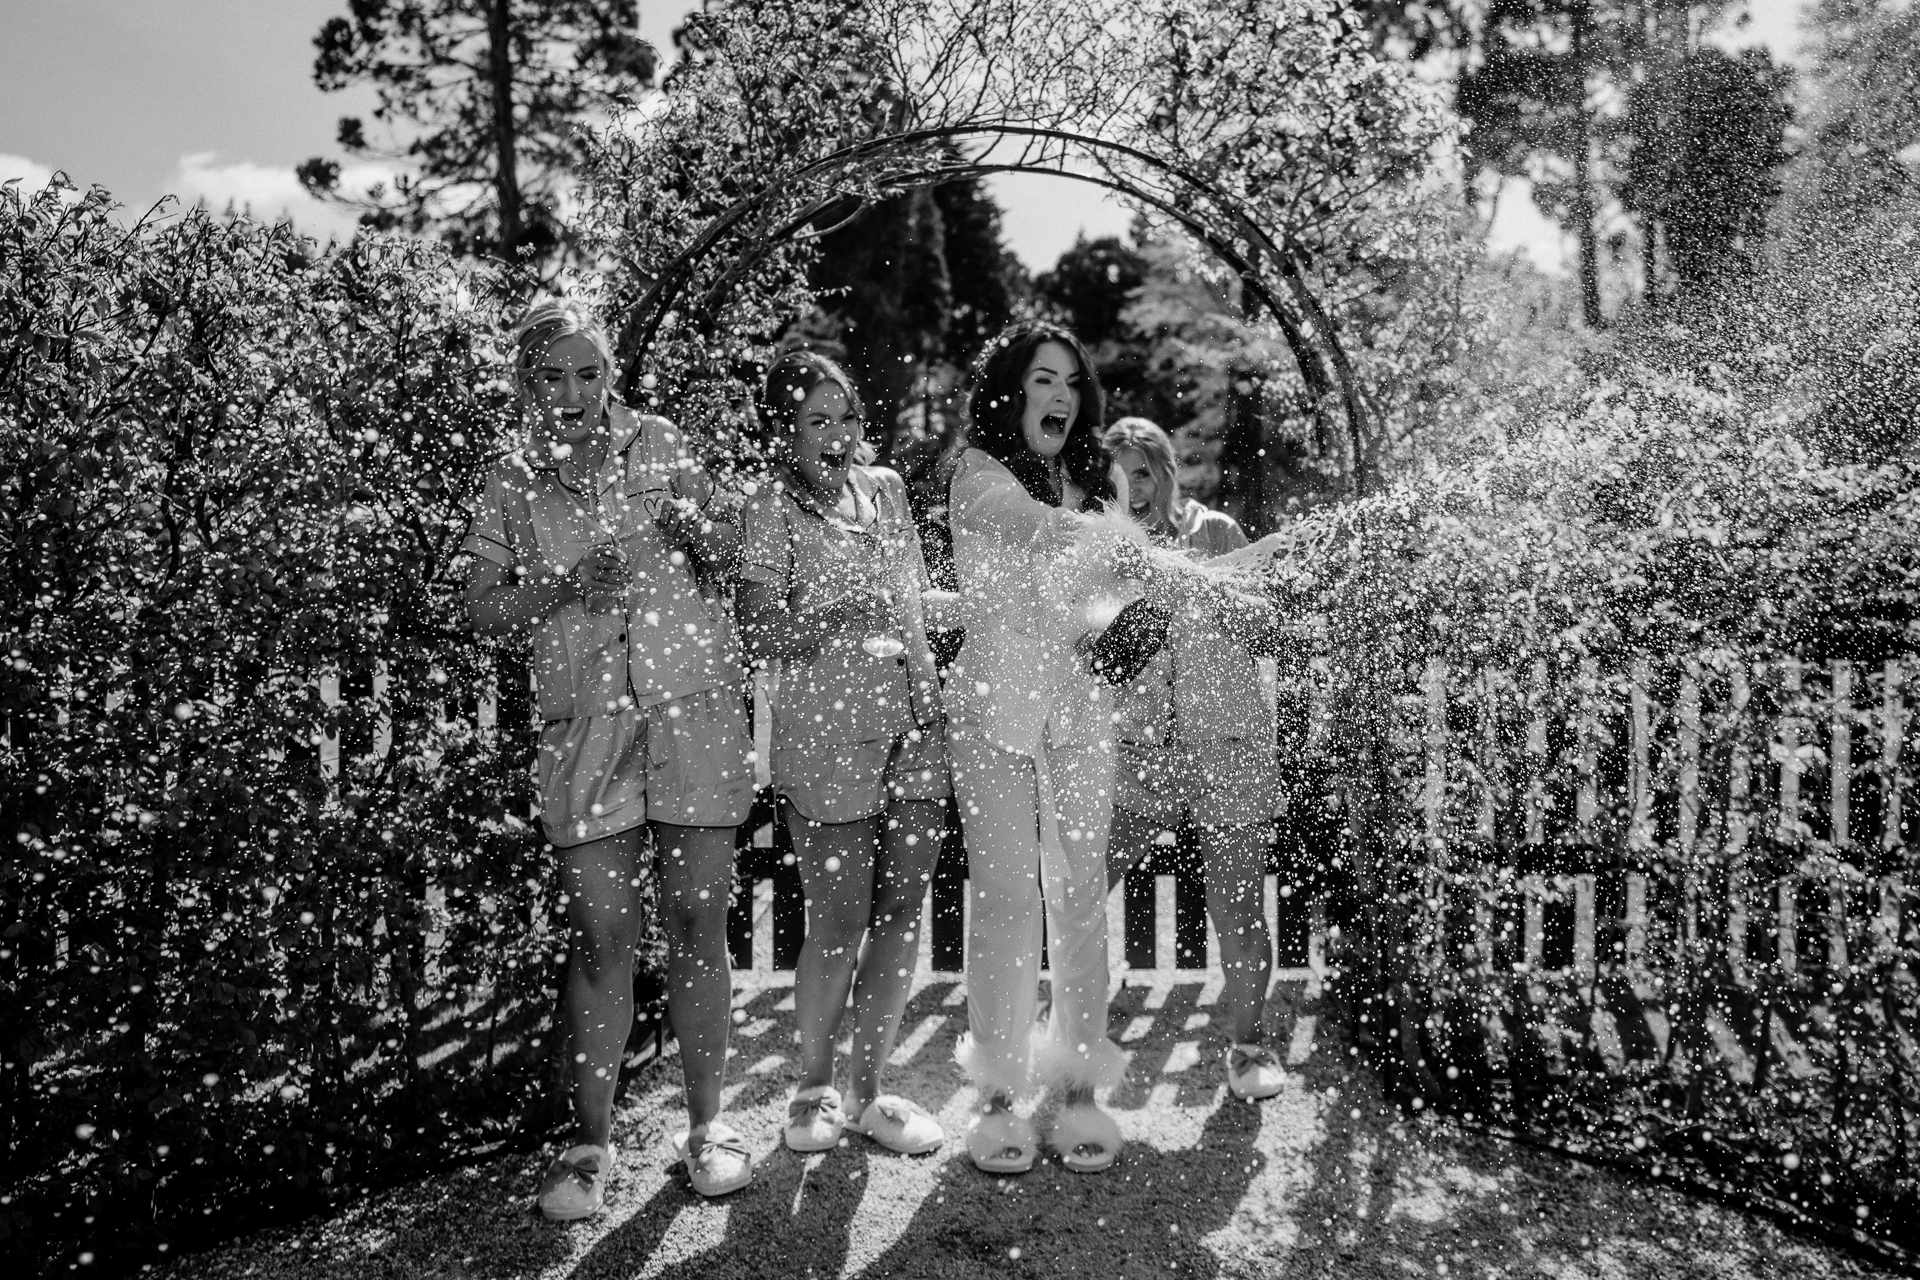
[1320, 1181]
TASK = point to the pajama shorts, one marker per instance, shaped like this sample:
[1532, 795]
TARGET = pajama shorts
[851, 781]
[1214, 782]
[685, 761]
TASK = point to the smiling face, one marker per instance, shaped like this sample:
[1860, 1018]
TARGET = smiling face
[826, 431]
[1143, 487]
[565, 389]
[1051, 393]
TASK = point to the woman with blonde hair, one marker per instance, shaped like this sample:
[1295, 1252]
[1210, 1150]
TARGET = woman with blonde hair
[1197, 743]
[592, 541]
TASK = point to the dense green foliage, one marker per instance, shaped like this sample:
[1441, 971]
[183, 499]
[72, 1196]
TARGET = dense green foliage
[227, 467]
[1514, 652]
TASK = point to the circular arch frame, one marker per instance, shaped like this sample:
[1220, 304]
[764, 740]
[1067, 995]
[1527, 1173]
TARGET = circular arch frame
[897, 162]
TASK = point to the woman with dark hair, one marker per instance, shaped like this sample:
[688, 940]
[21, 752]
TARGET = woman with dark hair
[833, 589]
[1032, 743]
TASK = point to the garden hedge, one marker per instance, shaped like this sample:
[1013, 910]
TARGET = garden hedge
[231, 984]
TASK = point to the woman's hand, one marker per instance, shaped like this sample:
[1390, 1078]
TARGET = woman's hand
[863, 607]
[1132, 561]
[603, 571]
[1060, 534]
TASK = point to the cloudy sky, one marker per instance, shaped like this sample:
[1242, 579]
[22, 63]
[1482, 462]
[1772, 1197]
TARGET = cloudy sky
[214, 100]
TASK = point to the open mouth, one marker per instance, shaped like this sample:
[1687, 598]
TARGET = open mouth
[834, 457]
[1054, 424]
[573, 415]
[1137, 508]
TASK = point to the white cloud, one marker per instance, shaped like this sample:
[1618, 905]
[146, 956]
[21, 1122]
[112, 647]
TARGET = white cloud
[266, 191]
[1518, 226]
[32, 174]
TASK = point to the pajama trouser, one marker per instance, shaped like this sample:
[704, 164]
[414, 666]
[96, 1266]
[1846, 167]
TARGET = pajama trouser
[1021, 855]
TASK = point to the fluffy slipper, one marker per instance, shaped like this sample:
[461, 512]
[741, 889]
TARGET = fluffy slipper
[815, 1119]
[723, 1162]
[1001, 1142]
[1086, 1138]
[899, 1125]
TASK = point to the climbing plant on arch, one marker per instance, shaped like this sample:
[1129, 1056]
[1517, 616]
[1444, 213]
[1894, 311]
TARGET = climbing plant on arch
[1265, 131]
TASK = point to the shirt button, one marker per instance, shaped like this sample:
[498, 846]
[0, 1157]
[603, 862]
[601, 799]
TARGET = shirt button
[621, 638]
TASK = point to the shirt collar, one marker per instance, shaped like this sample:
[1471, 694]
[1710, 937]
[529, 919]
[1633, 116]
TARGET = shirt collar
[623, 427]
[805, 499]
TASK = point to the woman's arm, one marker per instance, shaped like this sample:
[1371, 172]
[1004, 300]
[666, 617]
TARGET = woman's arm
[987, 500]
[709, 534]
[771, 628]
[942, 610]
[506, 603]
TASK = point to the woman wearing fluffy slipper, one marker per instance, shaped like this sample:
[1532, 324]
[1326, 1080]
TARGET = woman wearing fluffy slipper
[832, 590]
[1032, 742]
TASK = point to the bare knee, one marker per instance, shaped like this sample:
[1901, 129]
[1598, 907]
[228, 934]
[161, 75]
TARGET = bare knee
[694, 921]
[899, 907]
[603, 959]
[1243, 942]
[836, 927]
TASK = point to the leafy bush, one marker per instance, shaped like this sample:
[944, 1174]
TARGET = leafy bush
[230, 465]
[1487, 633]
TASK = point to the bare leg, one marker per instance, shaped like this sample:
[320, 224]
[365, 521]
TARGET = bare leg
[836, 868]
[603, 918]
[696, 874]
[1235, 855]
[909, 848]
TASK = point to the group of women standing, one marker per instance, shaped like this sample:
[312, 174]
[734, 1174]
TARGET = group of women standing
[648, 595]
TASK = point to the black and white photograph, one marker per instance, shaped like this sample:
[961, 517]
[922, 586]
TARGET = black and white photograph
[848, 639]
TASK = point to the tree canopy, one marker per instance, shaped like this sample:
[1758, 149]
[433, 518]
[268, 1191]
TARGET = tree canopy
[479, 106]
[1271, 134]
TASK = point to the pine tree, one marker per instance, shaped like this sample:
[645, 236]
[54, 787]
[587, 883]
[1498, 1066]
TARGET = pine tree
[479, 104]
[1707, 139]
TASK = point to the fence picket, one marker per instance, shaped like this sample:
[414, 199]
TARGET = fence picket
[1839, 807]
[330, 736]
[1739, 788]
[1534, 886]
[383, 711]
[1787, 819]
[1640, 771]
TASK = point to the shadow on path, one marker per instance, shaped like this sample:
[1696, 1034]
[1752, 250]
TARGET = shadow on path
[1320, 1181]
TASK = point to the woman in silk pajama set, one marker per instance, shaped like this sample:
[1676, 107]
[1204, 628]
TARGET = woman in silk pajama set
[1032, 749]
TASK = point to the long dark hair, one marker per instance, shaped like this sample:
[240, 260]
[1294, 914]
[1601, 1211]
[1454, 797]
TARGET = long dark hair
[998, 401]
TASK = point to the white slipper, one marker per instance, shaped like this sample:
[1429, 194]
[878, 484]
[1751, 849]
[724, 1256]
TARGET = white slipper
[815, 1120]
[723, 1164]
[1086, 1138]
[576, 1183]
[899, 1125]
[1254, 1072]
[1001, 1142]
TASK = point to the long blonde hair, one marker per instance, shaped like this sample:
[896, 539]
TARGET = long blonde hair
[1154, 445]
